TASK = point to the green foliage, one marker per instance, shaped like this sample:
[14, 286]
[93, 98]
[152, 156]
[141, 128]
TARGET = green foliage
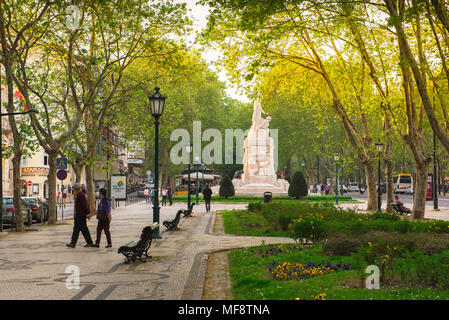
[283, 221]
[255, 207]
[226, 187]
[298, 187]
[341, 246]
[309, 228]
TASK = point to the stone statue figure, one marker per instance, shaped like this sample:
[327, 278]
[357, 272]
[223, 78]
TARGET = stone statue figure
[258, 174]
[258, 160]
[257, 115]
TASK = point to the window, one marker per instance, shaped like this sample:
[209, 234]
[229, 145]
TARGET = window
[35, 188]
[45, 159]
[24, 161]
[405, 179]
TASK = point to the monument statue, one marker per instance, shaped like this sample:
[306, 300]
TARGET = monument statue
[258, 162]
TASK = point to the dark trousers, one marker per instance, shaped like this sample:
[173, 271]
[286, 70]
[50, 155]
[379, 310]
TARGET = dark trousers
[164, 200]
[207, 201]
[80, 225]
[170, 198]
[103, 225]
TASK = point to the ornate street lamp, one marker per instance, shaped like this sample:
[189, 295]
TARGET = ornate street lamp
[196, 162]
[379, 148]
[336, 158]
[157, 105]
[189, 148]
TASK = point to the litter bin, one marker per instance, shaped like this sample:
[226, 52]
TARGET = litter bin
[267, 196]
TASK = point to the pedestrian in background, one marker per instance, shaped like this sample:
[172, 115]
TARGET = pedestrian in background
[103, 214]
[207, 194]
[164, 196]
[146, 193]
[81, 211]
[170, 192]
[318, 188]
[153, 195]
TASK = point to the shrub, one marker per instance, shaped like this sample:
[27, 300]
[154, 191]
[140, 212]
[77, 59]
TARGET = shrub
[341, 246]
[403, 226]
[309, 228]
[298, 187]
[284, 221]
[255, 207]
[226, 187]
[384, 216]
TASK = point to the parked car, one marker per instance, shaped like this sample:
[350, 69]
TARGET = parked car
[353, 187]
[36, 208]
[9, 211]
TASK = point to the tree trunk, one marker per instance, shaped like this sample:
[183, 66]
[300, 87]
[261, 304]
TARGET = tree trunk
[78, 169]
[389, 163]
[420, 191]
[90, 186]
[370, 174]
[52, 211]
[18, 218]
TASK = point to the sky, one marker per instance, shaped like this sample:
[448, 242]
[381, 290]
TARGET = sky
[198, 14]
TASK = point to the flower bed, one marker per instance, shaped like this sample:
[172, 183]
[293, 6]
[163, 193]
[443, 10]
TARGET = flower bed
[291, 271]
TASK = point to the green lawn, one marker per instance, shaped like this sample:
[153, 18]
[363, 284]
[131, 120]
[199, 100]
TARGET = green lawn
[251, 279]
[244, 223]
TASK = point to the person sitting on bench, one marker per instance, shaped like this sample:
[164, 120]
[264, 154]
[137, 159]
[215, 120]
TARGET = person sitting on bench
[401, 205]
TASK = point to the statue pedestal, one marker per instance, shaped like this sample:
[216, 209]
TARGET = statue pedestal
[247, 179]
[260, 184]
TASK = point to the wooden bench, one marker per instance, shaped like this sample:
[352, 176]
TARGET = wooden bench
[188, 213]
[173, 224]
[398, 210]
[136, 249]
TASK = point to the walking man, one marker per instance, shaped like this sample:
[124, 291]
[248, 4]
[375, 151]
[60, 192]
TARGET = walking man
[207, 193]
[103, 214]
[170, 194]
[81, 211]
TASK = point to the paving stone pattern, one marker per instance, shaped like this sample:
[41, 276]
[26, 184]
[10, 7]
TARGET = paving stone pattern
[33, 265]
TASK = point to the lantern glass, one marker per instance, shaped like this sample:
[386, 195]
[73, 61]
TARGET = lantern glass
[157, 103]
[379, 147]
[196, 158]
[189, 148]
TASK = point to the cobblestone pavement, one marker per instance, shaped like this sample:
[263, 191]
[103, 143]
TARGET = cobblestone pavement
[33, 265]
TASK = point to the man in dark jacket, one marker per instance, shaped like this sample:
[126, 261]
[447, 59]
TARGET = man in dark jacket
[207, 193]
[81, 211]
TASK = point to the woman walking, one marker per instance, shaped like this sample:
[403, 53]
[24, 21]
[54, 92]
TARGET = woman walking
[103, 214]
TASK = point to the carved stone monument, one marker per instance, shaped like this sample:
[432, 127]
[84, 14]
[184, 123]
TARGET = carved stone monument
[259, 175]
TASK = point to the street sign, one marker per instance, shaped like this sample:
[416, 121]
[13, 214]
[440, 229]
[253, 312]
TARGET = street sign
[61, 174]
[61, 163]
[29, 183]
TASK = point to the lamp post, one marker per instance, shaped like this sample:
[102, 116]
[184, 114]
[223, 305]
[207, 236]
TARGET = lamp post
[31, 111]
[379, 148]
[336, 158]
[157, 104]
[303, 164]
[196, 161]
[189, 148]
